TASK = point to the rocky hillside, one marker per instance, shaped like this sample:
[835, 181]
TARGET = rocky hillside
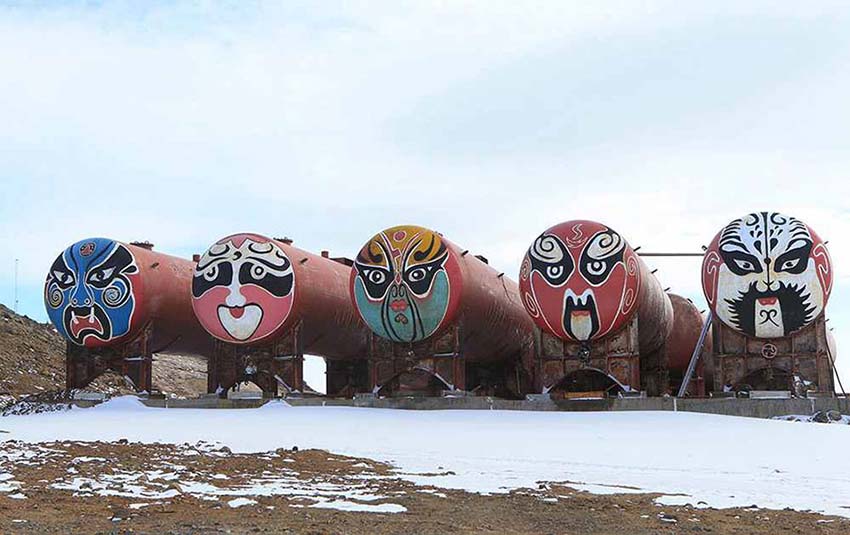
[32, 360]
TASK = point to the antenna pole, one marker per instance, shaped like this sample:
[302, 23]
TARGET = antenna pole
[16, 285]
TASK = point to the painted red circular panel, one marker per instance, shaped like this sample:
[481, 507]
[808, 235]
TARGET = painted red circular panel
[580, 281]
[767, 275]
[243, 288]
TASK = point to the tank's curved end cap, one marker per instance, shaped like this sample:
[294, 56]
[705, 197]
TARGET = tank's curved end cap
[243, 288]
[406, 283]
[93, 293]
[580, 280]
[767, 275]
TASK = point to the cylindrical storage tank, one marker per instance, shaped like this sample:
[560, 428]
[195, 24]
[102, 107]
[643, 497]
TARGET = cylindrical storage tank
[101, 292]
[767, 275]
[249, 289]
[410, 284]
[687, 326]
[581, 281]
[683, 339]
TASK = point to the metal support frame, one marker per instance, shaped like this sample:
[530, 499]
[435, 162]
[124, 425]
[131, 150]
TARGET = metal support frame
[804, 354]
[616, 356]
[278, 365]
[132, 359]
[441, 358]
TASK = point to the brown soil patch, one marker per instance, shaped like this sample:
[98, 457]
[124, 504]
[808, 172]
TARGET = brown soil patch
[32, 361]
[67, 487]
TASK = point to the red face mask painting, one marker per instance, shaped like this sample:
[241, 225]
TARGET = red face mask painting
[580, 281]
[243, 288]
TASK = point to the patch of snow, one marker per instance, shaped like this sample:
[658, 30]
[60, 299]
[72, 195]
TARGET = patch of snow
[699, 459]
[343, 505]
[239, 502]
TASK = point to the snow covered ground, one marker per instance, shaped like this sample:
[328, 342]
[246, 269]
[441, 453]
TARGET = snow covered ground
[701, 459]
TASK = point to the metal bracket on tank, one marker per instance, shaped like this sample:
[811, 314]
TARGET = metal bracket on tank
[584, 353]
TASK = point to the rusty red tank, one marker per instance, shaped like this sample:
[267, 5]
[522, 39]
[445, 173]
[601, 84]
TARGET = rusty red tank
[269, 303]
[101, 292]
[250, 289]
[413, 288]
[121, 301]
[583, 284]
[680, 345]
[767, 278]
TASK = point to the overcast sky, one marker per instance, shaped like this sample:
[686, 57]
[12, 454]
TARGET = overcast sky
[179, 123]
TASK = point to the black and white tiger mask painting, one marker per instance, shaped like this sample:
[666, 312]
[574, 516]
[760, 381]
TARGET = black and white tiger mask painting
[767, 275]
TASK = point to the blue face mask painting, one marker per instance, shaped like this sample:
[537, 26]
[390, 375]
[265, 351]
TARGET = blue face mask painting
[90, 291]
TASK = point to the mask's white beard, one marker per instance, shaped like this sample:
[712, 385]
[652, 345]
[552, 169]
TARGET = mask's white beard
[243, 327]
[581, 324]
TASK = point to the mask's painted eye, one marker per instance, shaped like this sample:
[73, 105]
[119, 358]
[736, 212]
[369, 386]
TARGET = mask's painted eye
[258, 271]
[211, 273]
[596, 267]
[376, 277]
[416, 275]
[554, 272]
[788, 265]
[62, 277]
[102, 274]
[745, 265]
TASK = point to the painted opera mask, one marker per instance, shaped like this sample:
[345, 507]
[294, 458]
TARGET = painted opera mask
[767, 275]
[92, 292]
[580, 281]
[405, 283]
[243, 288]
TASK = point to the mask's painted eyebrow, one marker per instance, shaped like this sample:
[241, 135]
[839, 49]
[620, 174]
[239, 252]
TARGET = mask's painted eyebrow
[109, 257]
[798, 243]
[734, 243]
[617, 244]
[217, 260]
[260, 248]
[285, 266]
[386, 258]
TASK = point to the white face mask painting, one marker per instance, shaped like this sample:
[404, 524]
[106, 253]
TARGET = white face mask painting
[767, 275]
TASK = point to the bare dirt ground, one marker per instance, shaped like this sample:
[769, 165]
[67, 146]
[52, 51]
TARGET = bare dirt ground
[32, 361]
[133, 488]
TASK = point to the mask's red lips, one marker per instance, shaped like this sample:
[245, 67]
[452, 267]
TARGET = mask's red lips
[81, 323]
[398, 305]
[236, 312]
[768, 301]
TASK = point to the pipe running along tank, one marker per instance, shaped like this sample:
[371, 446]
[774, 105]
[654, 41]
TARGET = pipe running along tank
[582, 283]
[101, 293]
[249, 289]
[412, 286]
[767, 278]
